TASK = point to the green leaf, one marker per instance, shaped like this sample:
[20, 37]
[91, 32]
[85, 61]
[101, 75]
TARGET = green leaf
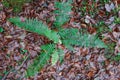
[55, 57]
[61, 55]
[116, 58]
[1, 29]
[23, 51]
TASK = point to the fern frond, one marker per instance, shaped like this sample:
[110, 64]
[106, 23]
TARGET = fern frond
[55, 57]
[36, 26]
[62, 13]
[41, 60]
[61, 55]
[72, 37]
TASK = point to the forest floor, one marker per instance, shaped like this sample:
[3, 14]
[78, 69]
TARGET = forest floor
[18, 47]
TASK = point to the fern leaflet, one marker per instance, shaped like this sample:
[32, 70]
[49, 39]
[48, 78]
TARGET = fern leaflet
[55, 57]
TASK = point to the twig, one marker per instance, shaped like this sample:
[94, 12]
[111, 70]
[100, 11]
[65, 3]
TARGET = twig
[23, 62]
[4, 78]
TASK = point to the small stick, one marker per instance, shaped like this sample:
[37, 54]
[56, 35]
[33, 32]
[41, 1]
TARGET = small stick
[23, 62]
[4, 78]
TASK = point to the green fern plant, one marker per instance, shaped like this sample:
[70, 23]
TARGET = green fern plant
[68, 37]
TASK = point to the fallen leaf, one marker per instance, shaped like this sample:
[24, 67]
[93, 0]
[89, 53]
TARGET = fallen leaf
[90, 74]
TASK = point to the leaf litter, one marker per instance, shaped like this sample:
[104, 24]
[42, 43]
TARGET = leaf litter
[80, 64]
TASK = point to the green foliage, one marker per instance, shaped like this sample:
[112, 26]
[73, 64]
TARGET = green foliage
[36, 26]
[116, 17]
[117, 20]
[68, 37]
[116, 10]
[102, 28]
[1, 77]
[61, 55]
[48, 51]
[116, 58]
[88, 9]
[111, 47]
[41, 60]
[113, 57]
[104, 1]
[1, 29]
[23, 51]
[5, 3]
[55, 57]
[62, 13]
[72, 36]
[15, 4]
